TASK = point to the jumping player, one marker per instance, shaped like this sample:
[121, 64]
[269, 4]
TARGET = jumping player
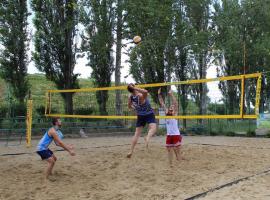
[139, 102]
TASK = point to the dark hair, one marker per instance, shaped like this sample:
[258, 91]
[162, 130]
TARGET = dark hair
[130, 89]
[169, 113]
[54, 120]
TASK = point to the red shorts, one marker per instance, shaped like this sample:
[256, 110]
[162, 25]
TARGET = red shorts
[173, 140]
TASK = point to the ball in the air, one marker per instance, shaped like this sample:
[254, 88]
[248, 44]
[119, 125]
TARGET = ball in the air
[137, 39]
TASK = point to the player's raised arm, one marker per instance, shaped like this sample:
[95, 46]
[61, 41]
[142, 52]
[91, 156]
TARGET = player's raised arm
[161, 101]
[174, 101]
[144, 92]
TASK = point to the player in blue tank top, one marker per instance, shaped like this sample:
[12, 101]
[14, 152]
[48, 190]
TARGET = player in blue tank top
[138, 101]
[53, 134]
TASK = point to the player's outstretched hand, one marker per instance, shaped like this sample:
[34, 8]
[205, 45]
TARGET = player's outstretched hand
[72, 153]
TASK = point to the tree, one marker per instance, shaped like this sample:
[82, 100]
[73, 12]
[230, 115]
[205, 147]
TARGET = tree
[198, 14]
[98, 18]
[256, 18]
[181, 43]
[55, 22]
[152, 20]
[14, 43]
[119, 37]
[229, 41]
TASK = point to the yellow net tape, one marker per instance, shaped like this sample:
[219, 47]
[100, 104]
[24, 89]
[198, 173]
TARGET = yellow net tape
[218, 104]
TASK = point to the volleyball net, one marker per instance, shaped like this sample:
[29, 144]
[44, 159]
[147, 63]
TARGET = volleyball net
[231, 97]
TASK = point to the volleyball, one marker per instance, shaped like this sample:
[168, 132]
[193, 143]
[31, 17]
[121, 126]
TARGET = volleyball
[137, 39]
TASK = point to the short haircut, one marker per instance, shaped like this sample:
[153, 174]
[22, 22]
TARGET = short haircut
[130, 89]
[54, 120]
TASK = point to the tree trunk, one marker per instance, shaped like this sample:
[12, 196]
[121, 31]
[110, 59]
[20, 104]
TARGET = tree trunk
[69, 103]
[69, 60]
[118, 102]
[102, 97]
[202, 86]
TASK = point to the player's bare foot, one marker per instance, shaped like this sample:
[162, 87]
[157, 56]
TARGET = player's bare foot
[51, 179]
[129, 155]
[146, 140]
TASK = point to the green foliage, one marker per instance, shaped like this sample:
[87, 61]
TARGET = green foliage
[268, 134]
[213, 133]
[19, 109]
[217, 108]
[83, 111]
[98, 42]
[3, 111]
[197, 129]
[55, 50]
[14, 46]
[152, 20]
[251, 134]
[241, 39]
[229, 41]
[230, 133]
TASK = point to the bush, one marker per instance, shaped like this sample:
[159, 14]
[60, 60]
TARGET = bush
[19, 109]
[213, 133]
[183, 131]
[83, 111]
[3, 111]
[197, 129]
[230, 133]
[7, 124]
[41, 110]
[217, 108]
[251, 134]
[268, 134]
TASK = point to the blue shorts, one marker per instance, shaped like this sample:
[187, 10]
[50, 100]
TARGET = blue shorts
[45, 154]
[143, 119]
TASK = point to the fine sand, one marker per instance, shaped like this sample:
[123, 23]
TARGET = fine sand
[100, 170]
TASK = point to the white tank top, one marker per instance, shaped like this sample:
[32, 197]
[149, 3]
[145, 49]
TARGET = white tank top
[172, 127]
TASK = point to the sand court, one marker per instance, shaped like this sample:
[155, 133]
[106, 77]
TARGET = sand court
[100, 170]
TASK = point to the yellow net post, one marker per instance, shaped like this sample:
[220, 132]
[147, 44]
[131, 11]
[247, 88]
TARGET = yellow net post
[29, 122]
[242, 96]
[258, 95]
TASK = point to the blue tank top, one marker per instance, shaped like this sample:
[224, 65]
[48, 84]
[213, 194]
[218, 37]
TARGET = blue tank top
[141, 109]
[46, 140]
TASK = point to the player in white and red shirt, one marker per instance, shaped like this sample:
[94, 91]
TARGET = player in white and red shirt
[174, 138]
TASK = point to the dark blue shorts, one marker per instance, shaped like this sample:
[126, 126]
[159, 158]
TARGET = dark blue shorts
[45, 154]
[143, 119]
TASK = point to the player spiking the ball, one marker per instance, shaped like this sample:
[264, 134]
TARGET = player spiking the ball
[139, 102]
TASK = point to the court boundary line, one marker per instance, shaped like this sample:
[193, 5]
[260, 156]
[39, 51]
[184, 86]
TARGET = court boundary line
[224, 145]
[96, 147]
[203, 194]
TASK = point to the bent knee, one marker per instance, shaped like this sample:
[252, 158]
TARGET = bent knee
[169, 149]
[176, 148]
[51, 160]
